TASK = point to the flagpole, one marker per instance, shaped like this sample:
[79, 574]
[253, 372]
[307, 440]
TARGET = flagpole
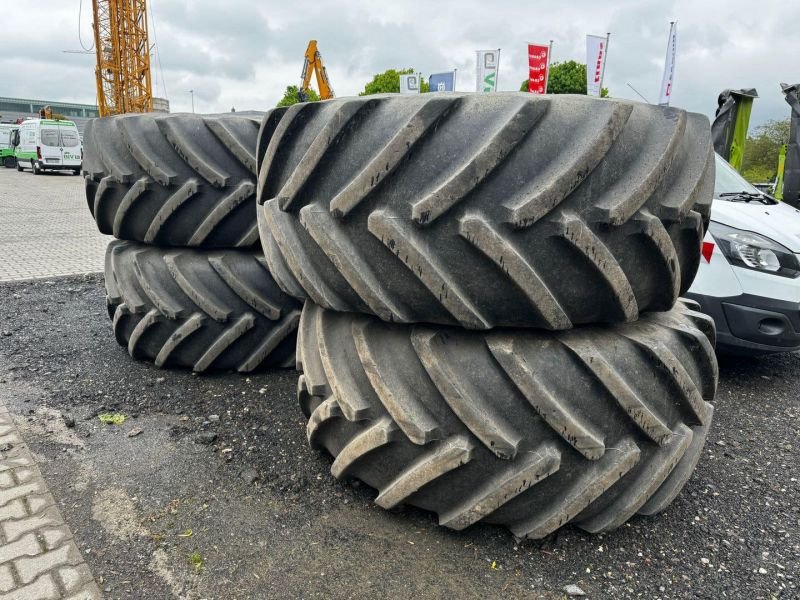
[547, 69]
[605, 60]
[477, 73]
[454, 79]
[666, 59]
[497, 72]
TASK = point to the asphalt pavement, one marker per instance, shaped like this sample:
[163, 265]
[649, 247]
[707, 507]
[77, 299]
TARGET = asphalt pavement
[208, 489]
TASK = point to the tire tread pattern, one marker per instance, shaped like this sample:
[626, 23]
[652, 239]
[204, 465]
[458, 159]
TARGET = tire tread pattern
[204, 310]
[526, 429]
[485, 210]
[180, 180]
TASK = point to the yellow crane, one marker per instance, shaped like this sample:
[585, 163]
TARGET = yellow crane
[313, 64]
[123, 57]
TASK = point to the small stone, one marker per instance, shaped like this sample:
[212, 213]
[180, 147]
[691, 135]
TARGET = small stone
[249, 475]
[69, 421]
[762, 571]
[6, 333]
[135, 431]
[160, 379]
[573, 590]
[206, 437]
[213, 418]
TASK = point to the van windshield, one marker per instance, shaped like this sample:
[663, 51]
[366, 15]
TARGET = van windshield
[728, 180]
[50, 136]
[69, 137]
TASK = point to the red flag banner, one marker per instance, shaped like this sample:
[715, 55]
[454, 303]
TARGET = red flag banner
[538, 65]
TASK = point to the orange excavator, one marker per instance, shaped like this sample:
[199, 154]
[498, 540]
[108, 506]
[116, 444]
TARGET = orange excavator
[313, 64]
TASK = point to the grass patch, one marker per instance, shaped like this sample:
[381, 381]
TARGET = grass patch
[196, 560]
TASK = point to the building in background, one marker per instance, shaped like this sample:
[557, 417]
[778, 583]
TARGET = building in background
[160, 105]
[14, 109]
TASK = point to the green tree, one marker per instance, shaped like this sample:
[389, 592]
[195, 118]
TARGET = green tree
[290, 96]
[566, 78]
[760, 162]
[388, 82]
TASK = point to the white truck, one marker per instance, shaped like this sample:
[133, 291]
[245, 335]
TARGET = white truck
[48, 145]
[749, 276]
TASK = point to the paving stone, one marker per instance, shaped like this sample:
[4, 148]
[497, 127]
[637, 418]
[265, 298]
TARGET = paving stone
[75, 578]
[7, 582]
[53, 537]
[32, 487]
[30, 568]
[25, 546]
[44, 588]
[46, 229]
[14, 529]
[38, 556]
[18, 456]
[89, 592]
[13, 510]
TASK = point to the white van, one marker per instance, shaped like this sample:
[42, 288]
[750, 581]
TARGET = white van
[48, 144]
[749, 276]
[6, 147]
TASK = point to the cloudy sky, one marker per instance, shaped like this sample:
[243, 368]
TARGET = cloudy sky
[243, 53]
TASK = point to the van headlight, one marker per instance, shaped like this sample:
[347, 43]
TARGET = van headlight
[753, 251]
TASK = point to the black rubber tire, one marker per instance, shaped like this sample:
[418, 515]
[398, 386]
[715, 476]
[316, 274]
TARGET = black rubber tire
[531, 430]
[174, 179]
[19, 167]
[204, 310]
[485, 210]
[9, 162]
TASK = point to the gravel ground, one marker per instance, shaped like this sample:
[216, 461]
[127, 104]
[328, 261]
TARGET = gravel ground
[220, 496]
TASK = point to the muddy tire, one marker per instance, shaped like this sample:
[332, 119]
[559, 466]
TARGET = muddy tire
[204, 310]
[485, 210]
[174, 180]
[526, 429]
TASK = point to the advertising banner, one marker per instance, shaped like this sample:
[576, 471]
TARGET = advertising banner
[669, 66]
[538, 68]
[442, 82]
[596, 51]
[488, 66]
[410, 84]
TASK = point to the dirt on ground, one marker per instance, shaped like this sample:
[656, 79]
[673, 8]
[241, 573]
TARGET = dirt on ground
[208, 489]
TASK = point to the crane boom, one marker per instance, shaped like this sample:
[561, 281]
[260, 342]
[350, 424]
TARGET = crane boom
[313, 64]
[123, 57]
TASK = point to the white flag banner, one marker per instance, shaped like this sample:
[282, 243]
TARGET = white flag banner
[596, 50]
[410, 84]
[669, 66]
[488, 66]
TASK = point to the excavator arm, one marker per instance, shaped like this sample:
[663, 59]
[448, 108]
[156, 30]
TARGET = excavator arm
[313, 64]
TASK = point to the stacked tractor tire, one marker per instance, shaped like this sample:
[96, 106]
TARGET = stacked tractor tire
[491, 327]
[187, 284]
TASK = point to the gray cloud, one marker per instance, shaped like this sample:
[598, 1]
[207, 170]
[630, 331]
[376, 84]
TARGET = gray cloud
[243, 54]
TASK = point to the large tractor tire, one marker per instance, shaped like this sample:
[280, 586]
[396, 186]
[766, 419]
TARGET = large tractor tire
[526, 429]
[485, 210]
[174, 180]
[204, 310]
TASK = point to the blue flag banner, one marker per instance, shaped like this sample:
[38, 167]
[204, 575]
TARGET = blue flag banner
[442, 82]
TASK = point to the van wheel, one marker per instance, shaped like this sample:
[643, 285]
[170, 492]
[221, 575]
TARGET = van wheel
[19, 167]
